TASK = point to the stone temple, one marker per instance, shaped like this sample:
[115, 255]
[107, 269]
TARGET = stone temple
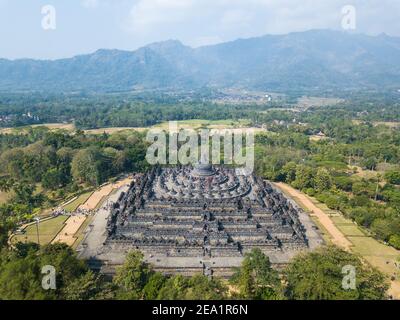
[202, 220]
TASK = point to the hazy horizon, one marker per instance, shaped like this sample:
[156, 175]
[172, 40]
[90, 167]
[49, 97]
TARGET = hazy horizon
[188, 45]
[84, 26]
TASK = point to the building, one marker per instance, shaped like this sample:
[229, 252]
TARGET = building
[202, 220]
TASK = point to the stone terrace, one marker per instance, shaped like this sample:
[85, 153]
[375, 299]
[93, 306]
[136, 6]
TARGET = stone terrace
[200, 220]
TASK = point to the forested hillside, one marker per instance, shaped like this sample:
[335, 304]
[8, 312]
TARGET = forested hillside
[312, 60]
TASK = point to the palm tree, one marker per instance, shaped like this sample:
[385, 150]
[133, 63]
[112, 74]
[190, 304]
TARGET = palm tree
[6, 184]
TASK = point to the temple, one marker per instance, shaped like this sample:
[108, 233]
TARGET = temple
[202, 220]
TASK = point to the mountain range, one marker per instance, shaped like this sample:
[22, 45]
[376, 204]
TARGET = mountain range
[316, 59]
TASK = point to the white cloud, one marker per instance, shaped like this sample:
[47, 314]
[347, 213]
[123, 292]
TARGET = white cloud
[225, 18]
[205, 41]
[128, 24]
[90, 3]
[204, 21]
[149, 14]
[236, 19]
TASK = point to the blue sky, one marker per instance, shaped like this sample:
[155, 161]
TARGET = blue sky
[83, 26]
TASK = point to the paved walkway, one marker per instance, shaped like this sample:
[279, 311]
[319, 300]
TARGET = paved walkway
[96, 233]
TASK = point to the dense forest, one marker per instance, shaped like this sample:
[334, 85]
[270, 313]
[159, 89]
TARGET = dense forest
[21, 278]
[90, 111]
[354, 169]
[41, 168]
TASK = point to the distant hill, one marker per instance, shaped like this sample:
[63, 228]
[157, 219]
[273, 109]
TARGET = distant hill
[317, 59]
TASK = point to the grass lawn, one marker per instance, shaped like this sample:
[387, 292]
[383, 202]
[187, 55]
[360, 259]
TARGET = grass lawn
[376, 253]
[50, 126]
[183, 124]
[347, 227]
[47, 231]
[115, 130]
[77, 202]
[371, 250]
[57, 126]
[212, 124]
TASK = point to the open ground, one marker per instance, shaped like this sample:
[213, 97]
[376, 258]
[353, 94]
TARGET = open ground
[347, 235]
[69, 229]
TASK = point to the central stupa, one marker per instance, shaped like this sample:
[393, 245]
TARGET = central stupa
[203, 170]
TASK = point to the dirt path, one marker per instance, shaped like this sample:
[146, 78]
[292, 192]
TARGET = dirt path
[337, 237]
[377, 258]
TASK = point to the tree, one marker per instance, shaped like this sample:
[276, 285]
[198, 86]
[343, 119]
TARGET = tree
[318, 275]
[344, 182]
[174, 288]
[6, 184]
[304, 177]
[132, 276]
[289, 172]
[11, 162]
[395, 241]
[21, 271]
[84, 167]
[20, 279]
[382, 228]
[201, 287]
[197, 287]
[86, 287]
[323, 180]
[24, 194]
[369, 163]
[65, 261]
[52, 179]
[393, 177]
[153, 286]
[256, 279]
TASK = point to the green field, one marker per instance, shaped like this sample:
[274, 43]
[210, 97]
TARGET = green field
[185, 124]
[376, 253]
[48, 229]
[71, 207]
[211, 124]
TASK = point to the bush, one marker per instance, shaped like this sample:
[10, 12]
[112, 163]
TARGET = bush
[360, 201]
[311, 192]
[364, 216]
[343, 183]
[393, 177]
[395, 241]
[334, 202]
[382, 229]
